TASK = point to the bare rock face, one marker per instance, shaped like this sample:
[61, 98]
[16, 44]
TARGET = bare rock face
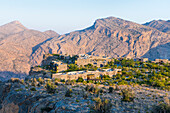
[110, 36]
[10, 108]
[160, 25]
[21, 48]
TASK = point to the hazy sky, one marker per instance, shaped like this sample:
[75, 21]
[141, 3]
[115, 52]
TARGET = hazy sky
[65, 16]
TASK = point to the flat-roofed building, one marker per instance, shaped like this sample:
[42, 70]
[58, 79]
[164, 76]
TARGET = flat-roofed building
[98, 61]
[58, 66]
[142, 59]
[161, 61]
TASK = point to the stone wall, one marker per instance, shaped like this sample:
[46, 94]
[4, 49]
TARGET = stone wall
[161, 61]
[96, 61]
[62, 67]
[76, 74]
[83, 62]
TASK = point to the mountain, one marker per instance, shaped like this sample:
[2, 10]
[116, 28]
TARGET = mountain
[51, 33]
[110, 36]
[16, 48]
[11, 28]
[21, 48]
[160, 25]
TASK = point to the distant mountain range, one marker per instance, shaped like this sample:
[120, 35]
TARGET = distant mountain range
[21, 48]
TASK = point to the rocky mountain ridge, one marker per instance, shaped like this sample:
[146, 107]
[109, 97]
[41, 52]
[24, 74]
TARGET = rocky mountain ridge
[160, 25]
[107, 37]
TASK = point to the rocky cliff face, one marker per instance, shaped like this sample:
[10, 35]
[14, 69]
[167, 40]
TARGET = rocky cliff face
[110, 36]
[21, 48]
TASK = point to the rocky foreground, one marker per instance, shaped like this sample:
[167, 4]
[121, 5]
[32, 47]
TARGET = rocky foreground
[46, 95]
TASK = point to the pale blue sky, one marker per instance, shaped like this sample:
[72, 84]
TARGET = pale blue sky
[65, 16]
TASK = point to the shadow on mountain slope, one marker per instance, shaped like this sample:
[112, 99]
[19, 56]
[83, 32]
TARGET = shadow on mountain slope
[159, 52]
[37, 46]
[6, 75]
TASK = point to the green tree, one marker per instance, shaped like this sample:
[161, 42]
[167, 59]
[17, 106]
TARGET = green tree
[80, 79]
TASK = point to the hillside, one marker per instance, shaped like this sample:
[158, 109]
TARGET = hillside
[21, 48]
[25, 97]
[110, 36]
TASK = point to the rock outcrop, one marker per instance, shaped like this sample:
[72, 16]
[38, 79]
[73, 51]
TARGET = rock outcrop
[23, 97]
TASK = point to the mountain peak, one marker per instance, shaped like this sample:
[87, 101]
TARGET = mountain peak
[103, 22]
[15, 22]
[51, 33]
[161, 25]
[116, 23]
[12, 27]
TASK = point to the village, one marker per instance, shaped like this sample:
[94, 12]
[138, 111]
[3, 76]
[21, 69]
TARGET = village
[89, 67]
[59, 64]
[86, 83]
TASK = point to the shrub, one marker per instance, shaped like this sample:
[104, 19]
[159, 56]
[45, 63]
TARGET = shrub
[101, 106]
[34, 82]
[51, 87]
[33, 89]
[56, 79]
[80, 79]
[85, 95]
[19, 89]
[110, 89]
[123, 82]
[127, 94]
[161, 108]
[89, 81]
[92, 89]
[77, 100]
[40, 80]
[56, 83]
[22, 81]
[47, 109]
[62, 80]
[117, 88]
[96, 90]
[69, 82]
[101, 90]
[68, 93]
[87, 88]
[84, 82]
